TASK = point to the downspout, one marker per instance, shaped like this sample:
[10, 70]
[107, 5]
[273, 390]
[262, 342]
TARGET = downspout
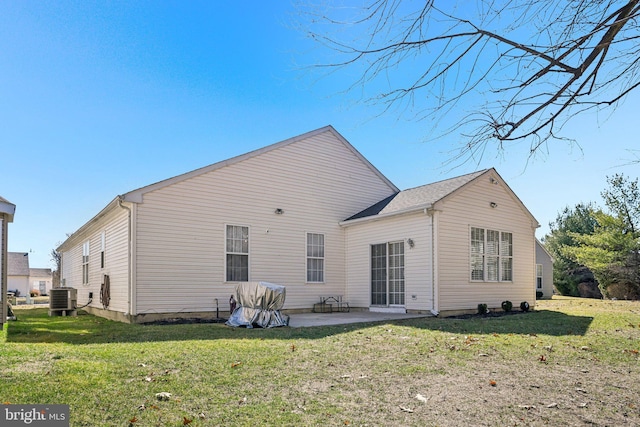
[3, 269]
[434, 296]
[129, 257]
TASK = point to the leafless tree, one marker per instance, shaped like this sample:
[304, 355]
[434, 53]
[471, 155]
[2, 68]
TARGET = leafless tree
[508, 70]
[56, 257]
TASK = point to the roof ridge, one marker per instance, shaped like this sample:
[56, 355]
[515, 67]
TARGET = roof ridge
[479, 172]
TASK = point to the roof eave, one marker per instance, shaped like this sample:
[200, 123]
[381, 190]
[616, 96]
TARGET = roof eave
[378, 217]
[9, 209]
[113, 204]
[136, 196]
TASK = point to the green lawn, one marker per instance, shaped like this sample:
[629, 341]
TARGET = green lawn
[570, 362]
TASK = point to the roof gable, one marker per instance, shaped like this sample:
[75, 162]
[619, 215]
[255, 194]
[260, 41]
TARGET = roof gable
[426, 196]
[417, 197]
[40, 272]
[17, 264]
[137, 195]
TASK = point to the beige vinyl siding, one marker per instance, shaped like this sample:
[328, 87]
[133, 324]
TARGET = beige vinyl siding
[115, 225]
[543, 258]
[418, 283]
[470, 207]
[180, 228]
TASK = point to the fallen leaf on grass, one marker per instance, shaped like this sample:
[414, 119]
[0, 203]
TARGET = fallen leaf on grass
[585, 348]
[186, 421]
[552, 405]
[492, 383]
[582, 405]
[542, 358]
[132, 421]
[403, 409]
[163, 395]
[421, 398]
[236, 364]
[293, 347]
[242, 401]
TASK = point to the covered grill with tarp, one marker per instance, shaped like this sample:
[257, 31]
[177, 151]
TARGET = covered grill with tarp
[259, 303]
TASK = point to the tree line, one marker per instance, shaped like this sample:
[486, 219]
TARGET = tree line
[599, 245]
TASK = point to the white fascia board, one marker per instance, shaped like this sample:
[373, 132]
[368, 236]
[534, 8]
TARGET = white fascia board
[9, 209]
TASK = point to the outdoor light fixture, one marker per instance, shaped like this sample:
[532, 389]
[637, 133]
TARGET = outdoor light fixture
[493, 204]
[278, 211]
[410, 243]
[493, 181]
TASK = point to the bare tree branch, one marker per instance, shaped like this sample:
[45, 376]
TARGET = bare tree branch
[511, 70]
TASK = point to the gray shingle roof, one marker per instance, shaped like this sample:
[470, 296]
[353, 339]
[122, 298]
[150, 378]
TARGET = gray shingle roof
[416, 197]
[17, 264]
[40, 272]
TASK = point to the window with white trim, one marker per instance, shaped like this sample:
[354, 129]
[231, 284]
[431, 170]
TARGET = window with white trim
[491, 255]
[315, 258]
[85, 263]
[539, 276]
[237, 253]
[103, 244]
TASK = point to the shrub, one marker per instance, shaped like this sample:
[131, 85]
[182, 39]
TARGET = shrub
[524, 306]
[507, 306]
[34, 293]
[539, 294]
[483, 309]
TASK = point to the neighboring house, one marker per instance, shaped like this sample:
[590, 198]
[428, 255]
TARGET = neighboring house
[7, 210]
[312, 214]
[41, 280]
[544, 271]
[18, 273]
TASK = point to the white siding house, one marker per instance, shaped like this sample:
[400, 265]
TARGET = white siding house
[7, 211]
[466, 241]
[544, 271]
[41, 280]
[18, 273]
[308, 213]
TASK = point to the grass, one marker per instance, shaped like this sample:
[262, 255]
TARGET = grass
[570, 362]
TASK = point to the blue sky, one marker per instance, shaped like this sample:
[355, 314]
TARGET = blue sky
[100, 98]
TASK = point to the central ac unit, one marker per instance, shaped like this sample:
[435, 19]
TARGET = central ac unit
[63, 299]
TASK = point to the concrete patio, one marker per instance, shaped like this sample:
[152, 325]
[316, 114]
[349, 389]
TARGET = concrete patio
[327, 319]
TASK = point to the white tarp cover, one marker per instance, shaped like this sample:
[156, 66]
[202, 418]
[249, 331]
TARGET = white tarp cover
[259, 303]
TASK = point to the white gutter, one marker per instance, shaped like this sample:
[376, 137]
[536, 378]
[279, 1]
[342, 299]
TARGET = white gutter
[112, 204]
[434, 263]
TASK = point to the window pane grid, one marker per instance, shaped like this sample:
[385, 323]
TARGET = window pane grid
[379, 274]
[491, 255]
[237, 248]
[315, 257]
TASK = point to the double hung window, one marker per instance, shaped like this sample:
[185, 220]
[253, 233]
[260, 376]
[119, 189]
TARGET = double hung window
[85, 263]
[315, 258]
[491, 255]
[237, 253]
